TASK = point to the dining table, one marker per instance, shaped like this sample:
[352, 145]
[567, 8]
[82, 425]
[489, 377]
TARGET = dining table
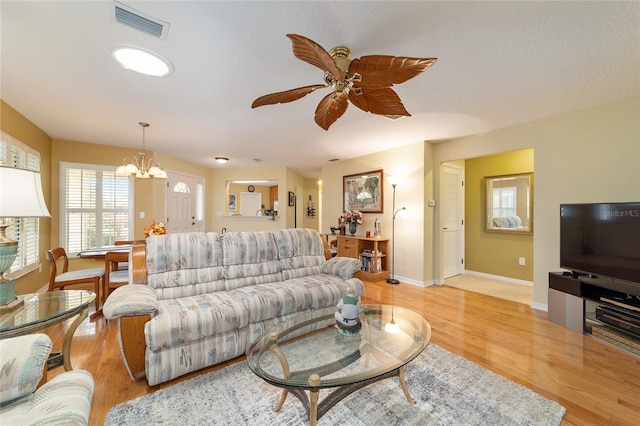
[99, 253]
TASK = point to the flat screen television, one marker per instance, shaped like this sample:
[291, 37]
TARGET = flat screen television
[601, 240]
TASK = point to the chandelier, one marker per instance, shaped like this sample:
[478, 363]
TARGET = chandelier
[141, 168]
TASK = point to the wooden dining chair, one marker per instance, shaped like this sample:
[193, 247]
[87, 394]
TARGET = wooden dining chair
[125, 264]
[114, 276]
[59, 280]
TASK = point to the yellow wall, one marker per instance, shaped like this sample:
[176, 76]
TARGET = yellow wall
[309, 189]
[16, 125]
[492, 252]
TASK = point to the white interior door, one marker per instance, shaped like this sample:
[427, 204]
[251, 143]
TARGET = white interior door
[453, 220]
[250, 204]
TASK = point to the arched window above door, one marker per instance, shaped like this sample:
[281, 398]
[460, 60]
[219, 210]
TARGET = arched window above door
[182, 187]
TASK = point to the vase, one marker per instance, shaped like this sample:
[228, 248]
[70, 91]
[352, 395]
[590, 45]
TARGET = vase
[352, 227]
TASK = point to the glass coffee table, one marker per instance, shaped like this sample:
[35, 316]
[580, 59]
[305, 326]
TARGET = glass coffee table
[307, 353]
[41, 310]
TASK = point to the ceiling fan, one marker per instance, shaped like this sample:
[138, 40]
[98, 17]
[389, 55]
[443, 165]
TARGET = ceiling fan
[366, 81]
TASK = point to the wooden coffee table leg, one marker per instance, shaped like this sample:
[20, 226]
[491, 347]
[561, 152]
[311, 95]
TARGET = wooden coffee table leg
[403, 384]
[314, 380]
[275, 349]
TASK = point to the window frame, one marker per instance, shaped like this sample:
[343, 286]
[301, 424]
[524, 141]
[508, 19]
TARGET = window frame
[99, 208]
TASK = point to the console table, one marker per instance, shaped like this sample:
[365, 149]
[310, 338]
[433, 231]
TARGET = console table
[569, 296]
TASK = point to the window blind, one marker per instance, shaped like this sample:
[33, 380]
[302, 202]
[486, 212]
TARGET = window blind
[96, 206]
[26, 231]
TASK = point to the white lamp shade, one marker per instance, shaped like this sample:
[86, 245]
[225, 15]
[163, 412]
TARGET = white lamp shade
[394, 179]
[21, 193]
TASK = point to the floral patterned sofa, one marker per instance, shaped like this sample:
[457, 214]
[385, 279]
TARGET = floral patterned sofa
[208, 296]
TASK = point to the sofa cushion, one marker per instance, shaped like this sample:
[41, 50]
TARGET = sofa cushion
[22, 361]
[301, 252]
[63, 400]
[266, 301]
[324, 290]
[192, 318]
[250, 258]
[185, 264]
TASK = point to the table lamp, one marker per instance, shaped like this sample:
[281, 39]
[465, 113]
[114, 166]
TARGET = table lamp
[20, 196]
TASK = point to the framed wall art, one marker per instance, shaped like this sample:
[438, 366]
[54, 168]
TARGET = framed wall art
[233, 202]
[364, 192]
[292, 199]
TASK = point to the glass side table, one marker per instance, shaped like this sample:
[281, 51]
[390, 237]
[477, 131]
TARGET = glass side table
[42, 310]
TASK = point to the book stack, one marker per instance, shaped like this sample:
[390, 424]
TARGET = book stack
[369, 264]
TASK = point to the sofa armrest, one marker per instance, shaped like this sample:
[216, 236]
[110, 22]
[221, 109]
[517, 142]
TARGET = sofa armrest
[130, 300]
[345, 267]
[138, 265]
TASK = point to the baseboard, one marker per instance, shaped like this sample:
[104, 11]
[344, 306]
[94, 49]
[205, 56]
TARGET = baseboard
[410, 281]
[500, 278]
[540, 306]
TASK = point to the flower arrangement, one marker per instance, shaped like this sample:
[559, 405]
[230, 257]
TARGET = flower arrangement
[156, 228]
[352, 216]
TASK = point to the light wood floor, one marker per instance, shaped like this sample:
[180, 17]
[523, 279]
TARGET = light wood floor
[597, 383]
[502, 289]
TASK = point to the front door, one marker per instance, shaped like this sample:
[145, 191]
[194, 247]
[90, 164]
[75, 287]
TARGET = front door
[181, 204]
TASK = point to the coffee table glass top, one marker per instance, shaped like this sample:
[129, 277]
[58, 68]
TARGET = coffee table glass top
[310, 344]
[40, 308]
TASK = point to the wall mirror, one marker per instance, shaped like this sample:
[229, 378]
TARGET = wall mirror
[509, 203]
[251, 198]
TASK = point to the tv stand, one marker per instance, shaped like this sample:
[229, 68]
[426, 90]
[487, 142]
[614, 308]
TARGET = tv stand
[573, 303]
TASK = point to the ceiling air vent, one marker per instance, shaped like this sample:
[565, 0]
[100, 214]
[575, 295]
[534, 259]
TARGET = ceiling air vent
[139, 21]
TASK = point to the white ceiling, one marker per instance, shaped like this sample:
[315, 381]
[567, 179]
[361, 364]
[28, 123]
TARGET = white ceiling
[499, 64]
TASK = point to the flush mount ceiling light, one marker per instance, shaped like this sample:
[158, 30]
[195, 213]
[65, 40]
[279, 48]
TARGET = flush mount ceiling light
[141, 61]
[221, 160]
[141, 168]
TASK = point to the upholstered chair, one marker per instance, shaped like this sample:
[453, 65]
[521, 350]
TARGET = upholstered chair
[64, 400]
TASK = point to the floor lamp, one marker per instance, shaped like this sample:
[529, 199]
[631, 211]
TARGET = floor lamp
[392, 279]
[20, 196]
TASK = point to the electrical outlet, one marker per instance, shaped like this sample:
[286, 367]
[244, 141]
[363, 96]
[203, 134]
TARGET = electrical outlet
[521, 261]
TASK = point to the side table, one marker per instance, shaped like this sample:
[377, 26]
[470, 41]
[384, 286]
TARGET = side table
[42, 310]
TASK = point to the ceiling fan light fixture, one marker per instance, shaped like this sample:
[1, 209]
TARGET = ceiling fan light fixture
[222, 160]
[142, 61]
[364, 82]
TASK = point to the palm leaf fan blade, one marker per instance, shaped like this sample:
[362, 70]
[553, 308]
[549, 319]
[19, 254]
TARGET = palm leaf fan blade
[385, 71]
[311, 52]
[330, 108]
[382, 101]
[286, 96]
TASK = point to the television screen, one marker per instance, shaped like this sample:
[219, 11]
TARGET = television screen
[601, 240]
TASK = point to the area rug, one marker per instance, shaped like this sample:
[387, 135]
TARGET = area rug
[448, 390]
